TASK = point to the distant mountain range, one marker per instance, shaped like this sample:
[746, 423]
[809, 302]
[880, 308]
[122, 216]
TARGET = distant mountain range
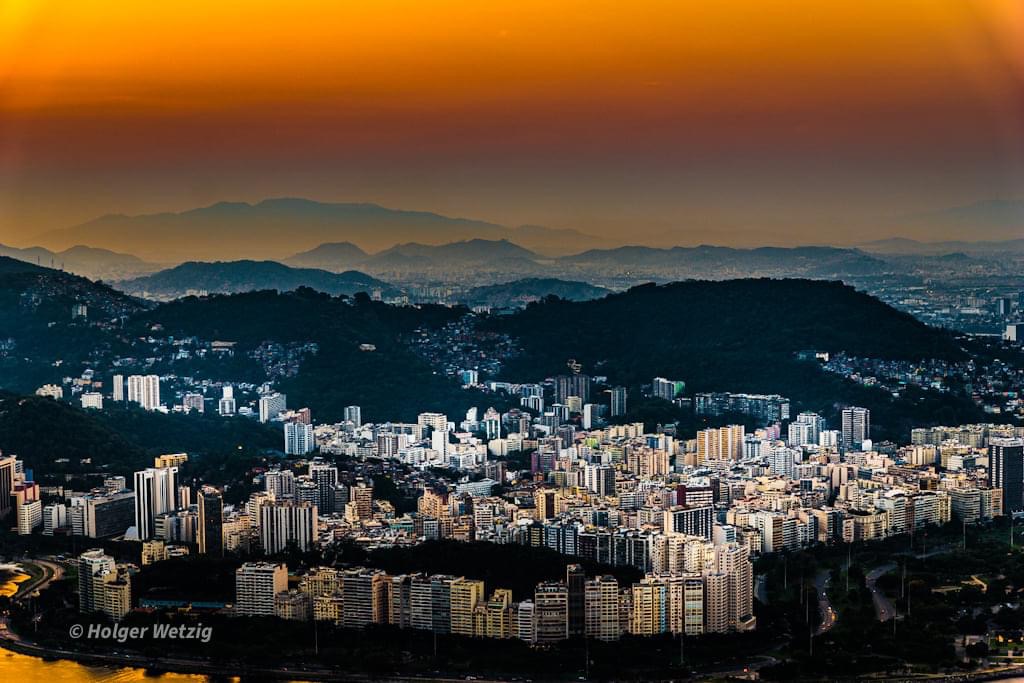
[274, 227]
[230, 277]
[90, 262]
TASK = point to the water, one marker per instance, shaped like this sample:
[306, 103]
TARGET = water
[18, 667]
[10, 576]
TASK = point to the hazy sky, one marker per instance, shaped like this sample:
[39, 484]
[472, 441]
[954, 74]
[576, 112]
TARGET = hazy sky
[732, 121]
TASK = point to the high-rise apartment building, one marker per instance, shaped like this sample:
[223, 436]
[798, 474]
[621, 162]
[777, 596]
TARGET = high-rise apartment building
[227, 405]
[806, 429]
[724, 443]
[256, 584]
[364, 597]
[551, 612]
[466, 596]
[572, 385]
[856, 427]
[602, 608]
[733, 560]
[282, 523]
[1006, 470]
[353, 414]
[155, 494]
[498, 619]
[618, 401]
[575, 581]
[144, 390]
[272, 405]
[211, 522]
[692, 521]
[667, 389]
[102, 587]
[298, 438]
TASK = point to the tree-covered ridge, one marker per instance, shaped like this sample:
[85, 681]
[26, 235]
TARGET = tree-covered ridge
[119, 439]
[244, 276]
[515, 292]
[737, 335]
[751, 316]
[390, 382]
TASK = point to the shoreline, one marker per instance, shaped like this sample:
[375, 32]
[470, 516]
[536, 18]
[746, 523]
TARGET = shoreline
[188, 666]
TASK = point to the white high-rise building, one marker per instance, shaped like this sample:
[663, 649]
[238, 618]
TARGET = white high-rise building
[782, 461]
[226, 405]
[155, 492]
[144, 390]
[589, 415]
[29, 515]
[284, 523]
[55, 517]
[298, 438]
[92, 566]
[256, 584]
[439, 442]
[806, 429]
[103, 586]
[118, 390]
[272, 405]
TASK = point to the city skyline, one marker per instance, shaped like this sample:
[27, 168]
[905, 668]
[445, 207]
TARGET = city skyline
[512, 341]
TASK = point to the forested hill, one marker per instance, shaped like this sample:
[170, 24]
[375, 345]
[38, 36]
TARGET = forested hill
[244, 276]
[56, 437]
[735, 335]
[302, 315]
[389, 382]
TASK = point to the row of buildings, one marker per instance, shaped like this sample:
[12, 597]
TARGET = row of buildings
[716, 600]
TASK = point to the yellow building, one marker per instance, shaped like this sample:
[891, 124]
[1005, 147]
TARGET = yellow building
[170, 460]
[466, 594]
[499, 614]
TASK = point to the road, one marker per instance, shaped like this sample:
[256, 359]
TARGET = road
[884, 609]
[829, 617]
[51, 572]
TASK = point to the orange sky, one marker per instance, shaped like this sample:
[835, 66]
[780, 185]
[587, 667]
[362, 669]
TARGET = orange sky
[735, 121]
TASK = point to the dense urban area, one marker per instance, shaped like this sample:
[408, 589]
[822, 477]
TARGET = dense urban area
[182, 467]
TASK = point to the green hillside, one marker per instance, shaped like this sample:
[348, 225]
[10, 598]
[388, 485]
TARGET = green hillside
[736, 335]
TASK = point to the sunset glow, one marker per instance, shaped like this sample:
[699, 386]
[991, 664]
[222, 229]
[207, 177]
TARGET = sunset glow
[695, 120]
